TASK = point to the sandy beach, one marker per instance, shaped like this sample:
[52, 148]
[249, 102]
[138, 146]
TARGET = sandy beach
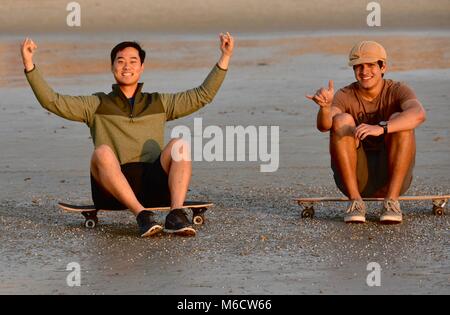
[254, 241]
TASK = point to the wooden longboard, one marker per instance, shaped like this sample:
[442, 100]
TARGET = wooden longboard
[89, 212]
[439, 202]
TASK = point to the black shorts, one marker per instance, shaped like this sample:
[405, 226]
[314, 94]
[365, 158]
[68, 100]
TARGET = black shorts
[148, 181]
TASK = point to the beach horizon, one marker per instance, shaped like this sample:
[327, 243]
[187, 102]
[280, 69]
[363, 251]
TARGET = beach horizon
[208, 16]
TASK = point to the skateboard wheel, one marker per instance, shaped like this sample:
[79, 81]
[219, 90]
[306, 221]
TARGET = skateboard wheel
[90, 223]
[308, 213]
[438, 211]
[198, 219]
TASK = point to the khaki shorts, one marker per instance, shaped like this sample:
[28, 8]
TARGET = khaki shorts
[372, 172]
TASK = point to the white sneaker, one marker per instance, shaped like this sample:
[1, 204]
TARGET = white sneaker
[391, 213]
[356, 212]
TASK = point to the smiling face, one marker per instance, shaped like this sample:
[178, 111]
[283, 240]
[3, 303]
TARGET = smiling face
[127, 67]
[369, 75]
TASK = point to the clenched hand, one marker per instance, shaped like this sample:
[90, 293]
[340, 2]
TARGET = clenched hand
[28, 48]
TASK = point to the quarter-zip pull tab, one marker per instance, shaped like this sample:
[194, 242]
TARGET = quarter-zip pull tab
[131, 112]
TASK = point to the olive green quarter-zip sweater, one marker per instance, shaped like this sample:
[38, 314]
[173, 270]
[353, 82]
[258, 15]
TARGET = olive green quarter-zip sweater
[134, 132]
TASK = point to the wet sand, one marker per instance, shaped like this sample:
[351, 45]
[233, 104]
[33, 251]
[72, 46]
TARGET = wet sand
[254, 241]
[73, 58]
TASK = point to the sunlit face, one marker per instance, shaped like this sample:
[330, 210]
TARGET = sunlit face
[369, 75]
[127, 67]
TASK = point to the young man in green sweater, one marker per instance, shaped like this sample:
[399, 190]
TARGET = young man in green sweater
[130, 167]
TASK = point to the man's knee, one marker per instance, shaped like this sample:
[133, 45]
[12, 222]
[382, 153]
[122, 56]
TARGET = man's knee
[343, 124]
[405, 134]
[102, 154]
[178, 149]
[175, 141]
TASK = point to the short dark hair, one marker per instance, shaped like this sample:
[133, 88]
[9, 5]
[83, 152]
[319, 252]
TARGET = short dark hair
[121, 46]
[381, 64]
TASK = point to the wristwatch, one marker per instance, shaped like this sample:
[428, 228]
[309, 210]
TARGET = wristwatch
[384, 124]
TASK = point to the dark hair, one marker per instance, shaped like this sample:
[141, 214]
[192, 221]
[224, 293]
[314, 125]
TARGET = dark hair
[381, 64]
[121, 46]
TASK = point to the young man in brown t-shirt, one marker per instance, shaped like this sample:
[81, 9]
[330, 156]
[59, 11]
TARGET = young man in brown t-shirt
[372, 142]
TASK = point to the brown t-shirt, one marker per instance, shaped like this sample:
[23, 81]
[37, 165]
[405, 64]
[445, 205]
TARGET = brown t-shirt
[372, 112]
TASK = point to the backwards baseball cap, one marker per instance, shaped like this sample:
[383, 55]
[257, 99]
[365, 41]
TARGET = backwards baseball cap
[366, 52]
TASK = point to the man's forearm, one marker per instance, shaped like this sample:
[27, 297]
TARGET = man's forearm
[184, 103]
[28, 65]
[224, 61]
[407, 120]
[324, 119]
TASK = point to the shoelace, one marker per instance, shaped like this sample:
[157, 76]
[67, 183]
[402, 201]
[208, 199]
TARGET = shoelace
[356, 206]
[392, 205]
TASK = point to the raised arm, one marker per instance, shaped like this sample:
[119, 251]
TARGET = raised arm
[182, 104]
[324, 98]
[77, 108]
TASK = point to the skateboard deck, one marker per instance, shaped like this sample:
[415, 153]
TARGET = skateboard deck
[89, 212]
[439, 202]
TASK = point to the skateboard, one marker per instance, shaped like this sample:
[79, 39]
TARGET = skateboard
[439, 203]
[89, 212]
